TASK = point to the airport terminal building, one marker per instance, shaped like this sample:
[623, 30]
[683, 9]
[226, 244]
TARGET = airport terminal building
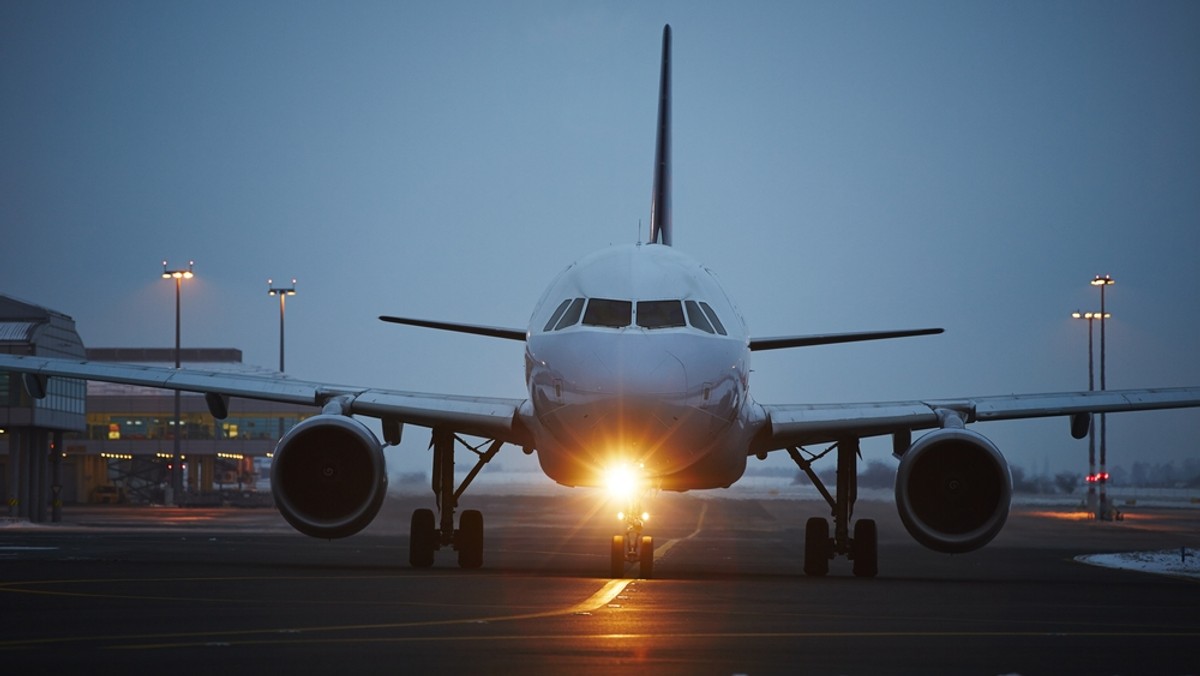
[133, 429]
[32, 430]
[101, 442]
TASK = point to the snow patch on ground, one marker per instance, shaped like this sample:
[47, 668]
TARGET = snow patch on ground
[1177, 562]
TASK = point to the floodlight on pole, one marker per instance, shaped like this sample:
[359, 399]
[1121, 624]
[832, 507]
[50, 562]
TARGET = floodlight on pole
[1091, 475]
[282, 292]
[176, 457]
[1103, 281]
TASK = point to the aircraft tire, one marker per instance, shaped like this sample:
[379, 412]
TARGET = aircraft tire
[422, 539]
[816, 547]
[646, 558]
[470, 539]
[865, 548]
[618, 556]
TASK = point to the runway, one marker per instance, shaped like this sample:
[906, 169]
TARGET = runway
[228, 590]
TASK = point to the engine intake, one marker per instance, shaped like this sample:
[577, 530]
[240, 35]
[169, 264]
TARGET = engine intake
[328, 476]
[953, 489]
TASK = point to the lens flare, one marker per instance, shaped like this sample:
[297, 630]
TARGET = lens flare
[623, 481]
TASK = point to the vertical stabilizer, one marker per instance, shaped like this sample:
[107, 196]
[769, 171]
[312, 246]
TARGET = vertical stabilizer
[660, 203]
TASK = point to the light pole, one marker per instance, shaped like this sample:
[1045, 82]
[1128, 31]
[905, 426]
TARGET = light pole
[1103, 282]
[283, 293]
[1091, 476]
[176, 460]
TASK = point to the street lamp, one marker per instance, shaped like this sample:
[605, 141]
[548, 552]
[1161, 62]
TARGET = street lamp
[282, 293]
[1091, 476]
[176, 463]
[1103, 282]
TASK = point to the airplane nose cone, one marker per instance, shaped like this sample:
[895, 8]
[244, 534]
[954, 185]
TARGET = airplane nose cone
[640, 374]
[634, 366]
[633, 398]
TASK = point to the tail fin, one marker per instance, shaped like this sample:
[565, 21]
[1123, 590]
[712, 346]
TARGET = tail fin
[660, 204]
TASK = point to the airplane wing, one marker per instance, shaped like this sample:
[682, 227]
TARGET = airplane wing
[494, 418]
[475, 329]
[799, 424]
[778, 342]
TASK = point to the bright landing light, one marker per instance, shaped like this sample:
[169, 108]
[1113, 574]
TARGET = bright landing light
[623, 481]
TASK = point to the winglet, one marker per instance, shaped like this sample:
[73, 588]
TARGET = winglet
[660, 204]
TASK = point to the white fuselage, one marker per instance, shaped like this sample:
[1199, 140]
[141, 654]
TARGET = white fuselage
[635, 355]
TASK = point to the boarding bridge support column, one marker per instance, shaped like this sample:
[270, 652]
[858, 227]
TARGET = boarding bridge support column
[16, 469]
[56, 478]
[44, 451]
[23, 497]
[40, 455]
[29, 500]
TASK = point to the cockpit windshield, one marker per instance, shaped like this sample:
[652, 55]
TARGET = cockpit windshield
[651, 314]
[571, 316]
[660, 314]
[696, 317]
[611, 313]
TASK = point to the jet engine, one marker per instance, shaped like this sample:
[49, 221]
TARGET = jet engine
[328, 476]
[953, 489]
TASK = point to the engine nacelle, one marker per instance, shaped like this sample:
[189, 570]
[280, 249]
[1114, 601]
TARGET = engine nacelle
[953, 489]
[328, 476]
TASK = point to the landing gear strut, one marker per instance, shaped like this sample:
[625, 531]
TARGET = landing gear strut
[427, 534]
[633, 547]
[819, 548]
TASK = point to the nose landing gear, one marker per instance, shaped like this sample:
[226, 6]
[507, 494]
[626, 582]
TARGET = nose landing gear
[633, 547]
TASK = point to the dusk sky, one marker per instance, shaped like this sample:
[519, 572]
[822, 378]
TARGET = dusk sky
[841, 166]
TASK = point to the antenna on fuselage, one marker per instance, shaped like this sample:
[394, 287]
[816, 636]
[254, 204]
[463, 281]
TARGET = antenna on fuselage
[660, 203]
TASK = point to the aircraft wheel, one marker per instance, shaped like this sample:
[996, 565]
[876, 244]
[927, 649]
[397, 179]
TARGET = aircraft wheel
[422, 539]
[865, 548]
[646, 558]
[618, 556]
[816, 547]
[470, 539]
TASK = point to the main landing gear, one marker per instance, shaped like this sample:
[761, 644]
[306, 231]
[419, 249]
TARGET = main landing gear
[863, 548]
[427, 534]
[633, 547]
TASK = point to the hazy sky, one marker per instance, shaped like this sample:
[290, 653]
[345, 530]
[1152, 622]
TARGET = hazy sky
[842, 166]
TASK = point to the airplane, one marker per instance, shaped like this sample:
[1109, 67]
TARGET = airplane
[637, 366]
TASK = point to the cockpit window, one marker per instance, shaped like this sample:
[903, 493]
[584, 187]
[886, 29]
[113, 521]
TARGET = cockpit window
[660, 314]
[651, 314]
[696, 317]
[606, 312]
[571, 316]
[558, 313]
[712, 316]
